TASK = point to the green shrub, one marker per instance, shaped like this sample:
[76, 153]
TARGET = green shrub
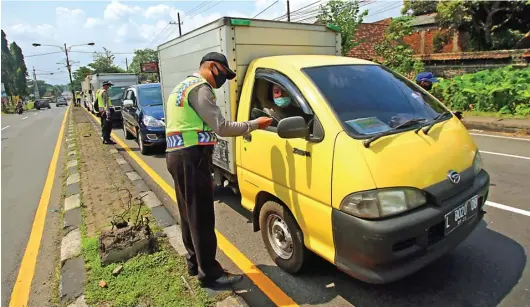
[504, 90]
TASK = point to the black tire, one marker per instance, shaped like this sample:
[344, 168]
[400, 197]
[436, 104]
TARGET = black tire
[293, 263]
[128, 135]
[144, 150]
[38, 108]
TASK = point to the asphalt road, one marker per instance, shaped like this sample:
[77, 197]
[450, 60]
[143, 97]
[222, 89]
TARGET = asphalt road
[28, 142]
[488, 269]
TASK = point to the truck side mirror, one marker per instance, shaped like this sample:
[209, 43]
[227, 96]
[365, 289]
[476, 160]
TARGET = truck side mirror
[127, 103]
[292, 128]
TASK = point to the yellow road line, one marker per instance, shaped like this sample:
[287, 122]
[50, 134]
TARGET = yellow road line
[22, 287]
[266, 285]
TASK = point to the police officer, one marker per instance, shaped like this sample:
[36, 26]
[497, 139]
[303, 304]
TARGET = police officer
[193, 120]
[104, 106]
[77, 98]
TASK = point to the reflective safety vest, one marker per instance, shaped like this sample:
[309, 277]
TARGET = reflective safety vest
[99, 99]
[184, 127]
[77, 95]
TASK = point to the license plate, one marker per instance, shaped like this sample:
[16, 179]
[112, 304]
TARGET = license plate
[460, 215]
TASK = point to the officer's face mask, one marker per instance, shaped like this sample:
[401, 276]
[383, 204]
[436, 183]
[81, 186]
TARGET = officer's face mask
[282, 102]
[219, 78]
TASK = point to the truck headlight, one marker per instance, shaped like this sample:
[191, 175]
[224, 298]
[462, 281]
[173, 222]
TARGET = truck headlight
[477, 163]
[152, 122]
[383, 202]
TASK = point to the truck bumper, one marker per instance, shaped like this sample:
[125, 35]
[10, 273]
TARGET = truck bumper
[387, 250]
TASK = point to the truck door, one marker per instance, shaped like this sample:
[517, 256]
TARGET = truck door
[297, 171]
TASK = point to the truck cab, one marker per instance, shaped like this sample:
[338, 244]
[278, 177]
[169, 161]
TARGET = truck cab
[361, 179]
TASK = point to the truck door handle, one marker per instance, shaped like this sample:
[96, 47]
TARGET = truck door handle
[247, 137]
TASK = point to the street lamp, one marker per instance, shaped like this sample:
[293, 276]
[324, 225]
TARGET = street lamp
[66, 49]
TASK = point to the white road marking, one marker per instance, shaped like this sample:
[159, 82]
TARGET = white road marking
[35, 114]
[501, 137]
[504, 155]
[6, 127]
[507, 208]
[23, 118]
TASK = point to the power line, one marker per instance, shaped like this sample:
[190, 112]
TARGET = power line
[268, 7]
[158, 35]
[32, 55]
[196, 8]
[395, 5]
[92, 52]
[206, 9]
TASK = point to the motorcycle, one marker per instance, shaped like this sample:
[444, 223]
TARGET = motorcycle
[20, 110]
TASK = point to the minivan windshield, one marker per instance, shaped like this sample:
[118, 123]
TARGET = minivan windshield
[149, 96]
[371, 99]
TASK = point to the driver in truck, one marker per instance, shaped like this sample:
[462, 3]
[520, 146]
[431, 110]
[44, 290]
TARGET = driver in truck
[283, 105]
[193, 120]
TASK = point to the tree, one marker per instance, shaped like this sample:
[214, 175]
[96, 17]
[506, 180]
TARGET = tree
[20, 71]
[394, 52]
[418, 7]
[344, 14]
[79, 76]
[7, 65]
[104, 62]
[490, 24]
[142, 56]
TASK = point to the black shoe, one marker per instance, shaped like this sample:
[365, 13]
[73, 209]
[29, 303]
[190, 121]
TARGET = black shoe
[193, 272]
[227, 279]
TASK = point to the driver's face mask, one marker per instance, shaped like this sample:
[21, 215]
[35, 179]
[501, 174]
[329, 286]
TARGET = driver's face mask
[280, 99]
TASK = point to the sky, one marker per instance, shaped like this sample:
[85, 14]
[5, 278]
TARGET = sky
[122, 26]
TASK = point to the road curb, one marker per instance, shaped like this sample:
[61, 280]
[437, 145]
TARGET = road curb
[163, 217]
[72, 276]
[497, 126]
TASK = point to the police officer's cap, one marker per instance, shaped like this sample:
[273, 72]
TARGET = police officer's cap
[221, 59]
[107, 83]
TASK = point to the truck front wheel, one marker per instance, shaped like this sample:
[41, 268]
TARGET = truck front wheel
[283, 237]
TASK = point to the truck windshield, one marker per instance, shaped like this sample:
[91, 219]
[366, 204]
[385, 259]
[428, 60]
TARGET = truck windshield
[150, 96]
[371, 99]
[116, 95]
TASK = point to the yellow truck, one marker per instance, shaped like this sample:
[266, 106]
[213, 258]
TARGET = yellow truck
[363, 168]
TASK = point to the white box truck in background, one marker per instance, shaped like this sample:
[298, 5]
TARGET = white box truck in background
[241, 41]
[120, 81]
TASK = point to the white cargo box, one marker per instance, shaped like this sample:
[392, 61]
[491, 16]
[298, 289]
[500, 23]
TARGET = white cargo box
[241, 41]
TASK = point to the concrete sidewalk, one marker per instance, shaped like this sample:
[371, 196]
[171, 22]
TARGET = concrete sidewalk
[520, 126]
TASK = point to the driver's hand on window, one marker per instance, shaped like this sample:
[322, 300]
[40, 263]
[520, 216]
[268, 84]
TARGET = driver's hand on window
[264, 122]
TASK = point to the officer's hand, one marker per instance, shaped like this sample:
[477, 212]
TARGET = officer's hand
[264, 122]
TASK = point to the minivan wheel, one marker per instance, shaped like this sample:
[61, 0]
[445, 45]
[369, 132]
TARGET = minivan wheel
[283, 237]
[141, 144]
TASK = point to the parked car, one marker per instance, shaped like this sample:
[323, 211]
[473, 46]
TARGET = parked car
[143, 116]
[61, 101]
[42, 103]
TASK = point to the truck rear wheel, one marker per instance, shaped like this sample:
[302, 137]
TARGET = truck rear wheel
[283, 237]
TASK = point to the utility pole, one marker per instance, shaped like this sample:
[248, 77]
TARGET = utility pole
[177, 23]
[178, 19]
[35, 85]
[288, 12]
[126, 65]
[69, 72]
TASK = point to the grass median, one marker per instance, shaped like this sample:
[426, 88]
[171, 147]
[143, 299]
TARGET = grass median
[156, 279]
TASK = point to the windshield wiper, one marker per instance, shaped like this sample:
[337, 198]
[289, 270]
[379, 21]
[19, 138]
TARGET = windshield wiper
[389, 132]
[437, 119]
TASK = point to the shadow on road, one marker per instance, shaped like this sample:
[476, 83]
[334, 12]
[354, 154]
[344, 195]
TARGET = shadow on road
[480, 272]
